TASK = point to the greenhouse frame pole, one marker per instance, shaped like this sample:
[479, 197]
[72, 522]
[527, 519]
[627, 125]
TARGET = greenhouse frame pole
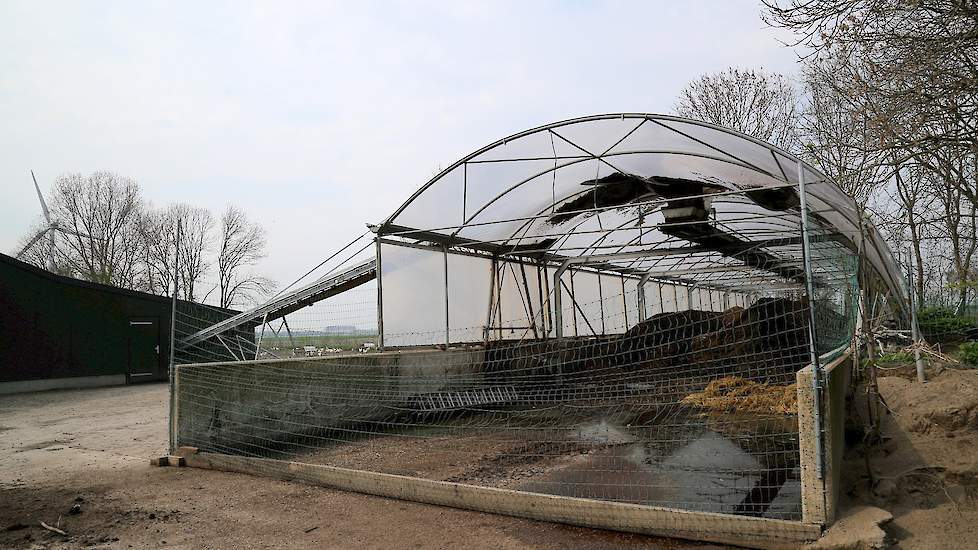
[810, 290]
[642, 314]
[448, 338]
[558, 314]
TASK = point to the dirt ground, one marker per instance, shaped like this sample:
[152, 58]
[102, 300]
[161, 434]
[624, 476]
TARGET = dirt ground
[92, 448]
[925, 470]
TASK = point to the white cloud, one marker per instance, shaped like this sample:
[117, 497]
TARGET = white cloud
[316, 118]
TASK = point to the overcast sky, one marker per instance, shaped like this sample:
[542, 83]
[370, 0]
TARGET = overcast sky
[316, 119]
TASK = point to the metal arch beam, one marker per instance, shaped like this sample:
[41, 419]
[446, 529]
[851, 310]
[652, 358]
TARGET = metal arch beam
[881, 256]
[715, 148]
[602, 158]
[405, 231]
[526, 225]
[607, 116]
[502, 250]
[655, 207]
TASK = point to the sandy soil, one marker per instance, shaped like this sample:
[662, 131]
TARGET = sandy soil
[924, 471]
[92, 448]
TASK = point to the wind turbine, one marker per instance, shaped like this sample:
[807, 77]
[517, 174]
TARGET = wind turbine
[53, 227]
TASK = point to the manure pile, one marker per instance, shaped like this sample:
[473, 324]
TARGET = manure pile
[734, 394]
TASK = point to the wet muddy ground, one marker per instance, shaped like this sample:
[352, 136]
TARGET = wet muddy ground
[683, 459]
[91, 448]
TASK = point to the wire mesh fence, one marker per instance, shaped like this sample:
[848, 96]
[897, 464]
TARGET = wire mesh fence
[633, 341]
[690, 408]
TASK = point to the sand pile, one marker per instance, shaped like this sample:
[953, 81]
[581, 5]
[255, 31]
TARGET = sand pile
[736, 394]
[946, 403]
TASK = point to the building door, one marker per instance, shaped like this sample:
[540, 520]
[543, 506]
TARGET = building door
[144, 349]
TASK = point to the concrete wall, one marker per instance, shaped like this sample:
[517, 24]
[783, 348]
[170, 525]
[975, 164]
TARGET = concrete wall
[268, 408]
[820, 493]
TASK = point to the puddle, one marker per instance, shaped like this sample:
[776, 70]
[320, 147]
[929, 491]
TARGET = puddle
[604, 433]
[703, 470]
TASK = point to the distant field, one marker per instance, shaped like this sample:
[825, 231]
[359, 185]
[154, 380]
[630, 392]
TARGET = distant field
[340, 341]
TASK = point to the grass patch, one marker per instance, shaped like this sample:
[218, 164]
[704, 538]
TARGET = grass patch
[337, 341]
[895, 357]
[968, 353]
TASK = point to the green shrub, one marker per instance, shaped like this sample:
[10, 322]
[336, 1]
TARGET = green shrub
[941, 324]
[969, 353]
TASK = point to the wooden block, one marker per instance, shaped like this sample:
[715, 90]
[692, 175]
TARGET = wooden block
[184, 451]
[170, 460]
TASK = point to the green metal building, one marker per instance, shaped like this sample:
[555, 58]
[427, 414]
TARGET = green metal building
[59, 332]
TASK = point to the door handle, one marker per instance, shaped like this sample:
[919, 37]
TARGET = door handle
[157, 349]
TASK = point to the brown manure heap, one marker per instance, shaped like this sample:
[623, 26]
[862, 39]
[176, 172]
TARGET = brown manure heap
[736, 394]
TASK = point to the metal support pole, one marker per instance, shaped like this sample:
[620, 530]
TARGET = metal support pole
[543, 319]
[288, 331]
[549, 323]
[600, 305]
[173, 324]
[558, 314]
[643, 314]
[573, 297]
[261, 335]
[380, 298]
[529, 301]
[810, 290]
[448, 339]
[492, 298]
[624, 301]
[500, 274]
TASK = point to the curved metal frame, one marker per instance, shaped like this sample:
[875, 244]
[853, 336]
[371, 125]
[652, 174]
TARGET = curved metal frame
[885, 264]
[608, 116]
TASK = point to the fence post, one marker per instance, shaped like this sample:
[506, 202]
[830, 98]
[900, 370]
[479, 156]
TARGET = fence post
[813, 350]
[380, 296]
[173, 323]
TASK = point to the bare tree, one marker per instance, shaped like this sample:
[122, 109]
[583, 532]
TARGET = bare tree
[40, 252]
[196, 238]
[836, 133]
[918, 61]
[159, 233]
[914, 200]
[102, 212]
[959, 216]
[242, 245]
[755, 102]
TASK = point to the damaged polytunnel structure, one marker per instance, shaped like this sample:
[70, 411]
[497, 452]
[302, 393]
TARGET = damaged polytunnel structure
[627, 321]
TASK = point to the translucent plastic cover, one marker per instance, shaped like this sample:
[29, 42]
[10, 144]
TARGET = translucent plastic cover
[557, 187]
